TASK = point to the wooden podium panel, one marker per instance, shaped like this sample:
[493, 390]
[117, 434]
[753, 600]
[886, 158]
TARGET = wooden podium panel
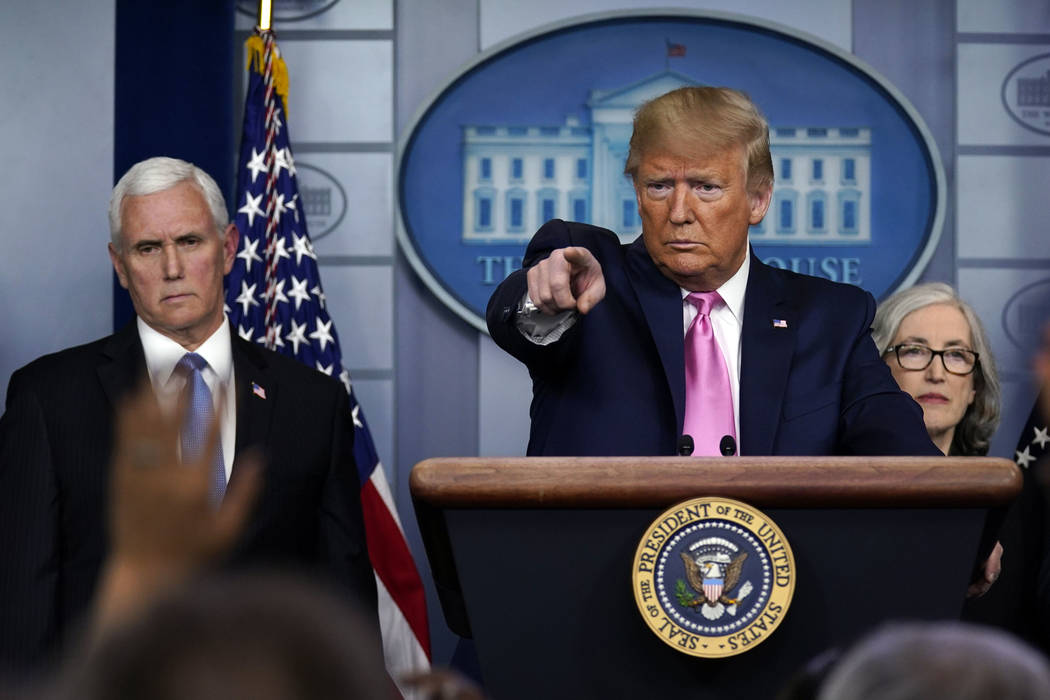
[532, 557]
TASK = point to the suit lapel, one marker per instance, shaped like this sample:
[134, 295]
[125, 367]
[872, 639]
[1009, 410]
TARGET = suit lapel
[256, 395]
[661, 302]
[123, 364]
[768, 342]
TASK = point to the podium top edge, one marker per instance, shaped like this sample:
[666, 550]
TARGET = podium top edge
[625, 482]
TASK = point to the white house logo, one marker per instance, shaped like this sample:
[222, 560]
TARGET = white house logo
[1025, 315]
[287, 10]
[504, 147]
[713, 577]
[324, 199]
[1026, 94]
[569, 171]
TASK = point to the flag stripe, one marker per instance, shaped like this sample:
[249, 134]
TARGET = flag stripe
[393, 562]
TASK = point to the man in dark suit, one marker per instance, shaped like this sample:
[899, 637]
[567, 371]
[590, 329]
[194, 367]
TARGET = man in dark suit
[601, 325]
[171, 247]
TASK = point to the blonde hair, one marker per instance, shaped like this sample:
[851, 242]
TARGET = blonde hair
[706, 120]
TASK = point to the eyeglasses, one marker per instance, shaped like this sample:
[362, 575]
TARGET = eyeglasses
[916, 357]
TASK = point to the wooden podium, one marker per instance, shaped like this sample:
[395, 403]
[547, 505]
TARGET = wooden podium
[532, 558]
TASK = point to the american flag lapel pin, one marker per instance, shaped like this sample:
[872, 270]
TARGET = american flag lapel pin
[259, 391]
[779, 323]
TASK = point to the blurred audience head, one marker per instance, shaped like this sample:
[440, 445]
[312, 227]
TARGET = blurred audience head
[939, 661]
[262, 636]
[938, 352]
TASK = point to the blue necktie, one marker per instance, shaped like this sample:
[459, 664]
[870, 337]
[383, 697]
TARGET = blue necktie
[198, 417]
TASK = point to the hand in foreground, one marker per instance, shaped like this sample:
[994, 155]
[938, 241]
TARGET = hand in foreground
[163, 526]
[993, 566]
[570, 279]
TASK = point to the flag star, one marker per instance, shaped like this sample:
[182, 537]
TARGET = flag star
[290, 163]
[245, 333]
[226, 308]
[249, 253]
[1024, 458]
[278, 341]
[273, 336]
[323, 335]
[316, 290]
[279, 207]
[1041, 436]
[276, 291]
[280, 250]
[246, 298]
[298, 291]
[257, 164]
[301, 247]
[355, 414]
[327, 369]
[277, 123]
[344, 377]
[280, 160]
[298, 335]
[251, 207]
[291, 204]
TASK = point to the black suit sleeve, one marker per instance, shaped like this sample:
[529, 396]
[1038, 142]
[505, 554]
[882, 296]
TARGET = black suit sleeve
[502, 308]
[342, 528]
[878, 418]
[29, 548]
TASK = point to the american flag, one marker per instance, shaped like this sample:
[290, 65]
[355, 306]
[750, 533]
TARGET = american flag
[1032, 444]
[274, 297]
[675, 50]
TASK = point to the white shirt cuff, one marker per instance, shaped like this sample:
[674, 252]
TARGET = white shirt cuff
[539, 328]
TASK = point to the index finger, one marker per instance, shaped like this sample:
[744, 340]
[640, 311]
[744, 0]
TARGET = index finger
[578, 256]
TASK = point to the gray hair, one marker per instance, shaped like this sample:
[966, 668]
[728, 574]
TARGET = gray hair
[982, 416]
[939, 661]
[159, 174]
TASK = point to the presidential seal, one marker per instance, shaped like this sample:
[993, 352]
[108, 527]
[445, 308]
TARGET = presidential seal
[713, 577]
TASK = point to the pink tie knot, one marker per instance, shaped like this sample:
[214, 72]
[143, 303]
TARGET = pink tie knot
[704, 301]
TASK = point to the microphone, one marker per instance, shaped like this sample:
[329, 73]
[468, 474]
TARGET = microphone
[685, 445]
[727, 446]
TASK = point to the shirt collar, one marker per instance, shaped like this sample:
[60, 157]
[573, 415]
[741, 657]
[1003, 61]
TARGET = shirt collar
[162, 353]
[732, 292]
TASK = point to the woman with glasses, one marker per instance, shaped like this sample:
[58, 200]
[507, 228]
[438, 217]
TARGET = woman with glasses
[937, 350]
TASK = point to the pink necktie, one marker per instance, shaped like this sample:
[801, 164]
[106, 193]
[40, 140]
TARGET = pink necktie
[708, 396]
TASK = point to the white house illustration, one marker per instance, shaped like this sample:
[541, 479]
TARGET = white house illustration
[515, 178]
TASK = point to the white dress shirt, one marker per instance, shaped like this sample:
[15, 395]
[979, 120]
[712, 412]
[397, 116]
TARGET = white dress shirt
[163, 354]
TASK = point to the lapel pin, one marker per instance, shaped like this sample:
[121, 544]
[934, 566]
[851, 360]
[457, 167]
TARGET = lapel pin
[779, 323]
[259, 391]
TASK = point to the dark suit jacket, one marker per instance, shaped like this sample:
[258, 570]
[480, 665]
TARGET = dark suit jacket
[615, 383]
[55, 442]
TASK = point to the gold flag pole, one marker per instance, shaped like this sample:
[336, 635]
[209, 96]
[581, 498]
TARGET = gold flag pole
[265, 15]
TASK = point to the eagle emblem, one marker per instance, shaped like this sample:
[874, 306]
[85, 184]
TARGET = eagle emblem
[713, 577]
